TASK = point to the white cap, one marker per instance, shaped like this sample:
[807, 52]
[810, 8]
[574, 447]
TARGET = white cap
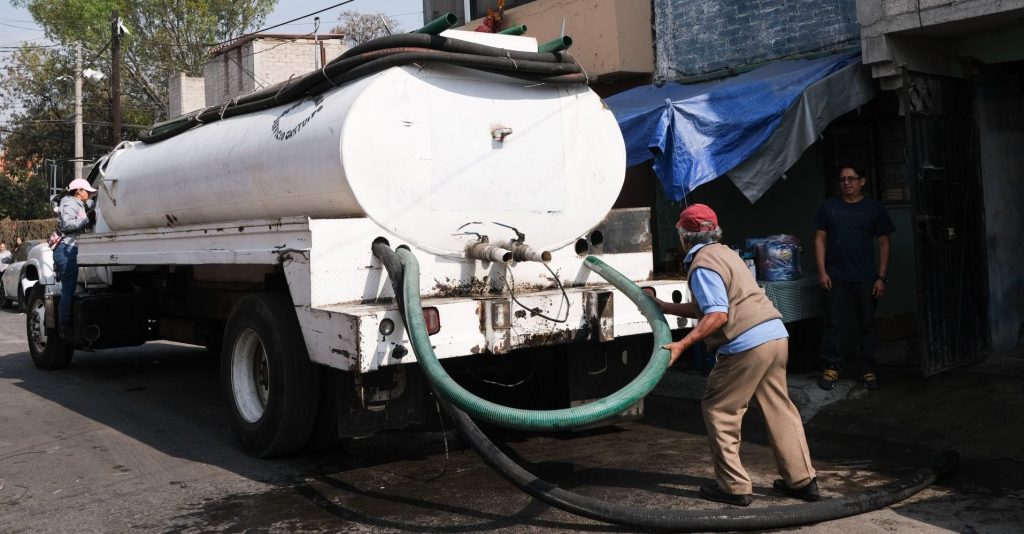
[81, 183]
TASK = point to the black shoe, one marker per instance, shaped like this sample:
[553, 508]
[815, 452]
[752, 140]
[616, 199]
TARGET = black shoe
[66, 333]
[711, 492]
[808, 493]
[828, 379]
[870, 381]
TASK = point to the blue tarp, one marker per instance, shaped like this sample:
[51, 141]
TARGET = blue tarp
[696, 133]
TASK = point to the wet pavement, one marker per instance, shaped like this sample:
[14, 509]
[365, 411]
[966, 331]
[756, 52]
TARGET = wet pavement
[136, 439]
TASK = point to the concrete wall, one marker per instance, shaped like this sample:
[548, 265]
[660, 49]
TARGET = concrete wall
[694, 37]
[934, 36]
[229, 74]
[184, 94]
[263, 62]
[999, 103]
[276, 60]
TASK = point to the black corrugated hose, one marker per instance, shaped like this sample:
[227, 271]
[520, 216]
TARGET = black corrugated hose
[679, 520]
[377, 55]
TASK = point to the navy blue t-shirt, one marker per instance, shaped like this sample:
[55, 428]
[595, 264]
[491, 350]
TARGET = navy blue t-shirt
[851, 229]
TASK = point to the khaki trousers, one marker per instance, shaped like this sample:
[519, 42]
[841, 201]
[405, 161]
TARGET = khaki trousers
[759, 372]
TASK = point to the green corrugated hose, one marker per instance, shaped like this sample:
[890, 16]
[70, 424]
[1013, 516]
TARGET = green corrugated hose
[536, 419]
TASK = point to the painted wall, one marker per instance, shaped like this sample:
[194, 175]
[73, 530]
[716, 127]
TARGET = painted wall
[999, 104]
[611, 38]
[698, 36]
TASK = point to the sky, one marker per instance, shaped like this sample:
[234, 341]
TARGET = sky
[16, 24]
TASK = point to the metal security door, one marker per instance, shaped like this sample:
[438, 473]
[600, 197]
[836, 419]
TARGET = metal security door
[949, 230]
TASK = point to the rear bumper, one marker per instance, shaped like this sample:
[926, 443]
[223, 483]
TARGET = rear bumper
[350, 337]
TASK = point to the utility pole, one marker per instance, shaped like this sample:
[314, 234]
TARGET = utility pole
[115, 78]
[79, 151]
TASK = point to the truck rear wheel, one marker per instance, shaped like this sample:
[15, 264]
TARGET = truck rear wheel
[48, 350]
[267, 379]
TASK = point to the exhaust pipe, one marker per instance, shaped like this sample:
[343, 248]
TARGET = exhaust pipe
[522, 252]
[482, 250]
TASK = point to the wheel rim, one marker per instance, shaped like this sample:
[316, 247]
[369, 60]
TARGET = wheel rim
[37, 326]
[250, 375]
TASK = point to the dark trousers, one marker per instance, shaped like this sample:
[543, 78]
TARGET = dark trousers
[65, 258]
[848, 302]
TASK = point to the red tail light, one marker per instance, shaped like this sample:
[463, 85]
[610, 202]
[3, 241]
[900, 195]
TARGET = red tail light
[432, 318]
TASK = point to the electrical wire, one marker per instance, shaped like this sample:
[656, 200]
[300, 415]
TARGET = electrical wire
[536, 311]
[261, 30]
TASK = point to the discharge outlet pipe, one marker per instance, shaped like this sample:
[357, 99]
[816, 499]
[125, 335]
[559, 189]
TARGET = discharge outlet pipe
[482, 250]
[521, 252]
[717, 520]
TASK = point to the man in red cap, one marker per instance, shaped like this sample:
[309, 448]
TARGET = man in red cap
[738, 322]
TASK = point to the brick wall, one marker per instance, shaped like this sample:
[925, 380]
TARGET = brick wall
[276, 60]
[184, 94]
[261, 63]
[699, 36]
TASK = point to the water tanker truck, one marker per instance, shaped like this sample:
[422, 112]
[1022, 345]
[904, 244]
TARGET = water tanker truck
[248, 228]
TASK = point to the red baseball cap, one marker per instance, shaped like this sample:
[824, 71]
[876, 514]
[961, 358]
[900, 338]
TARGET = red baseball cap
[698, 218]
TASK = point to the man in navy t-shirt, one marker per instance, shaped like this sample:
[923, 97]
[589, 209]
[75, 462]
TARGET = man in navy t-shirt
[845, 253]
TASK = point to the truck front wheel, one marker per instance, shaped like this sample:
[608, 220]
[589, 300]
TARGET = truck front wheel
[49, 351]
[268, 381]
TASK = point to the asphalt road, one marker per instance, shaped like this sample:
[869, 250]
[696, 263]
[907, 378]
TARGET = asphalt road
[136, 440]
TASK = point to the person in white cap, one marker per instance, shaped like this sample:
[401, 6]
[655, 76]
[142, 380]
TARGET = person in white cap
[72, 219]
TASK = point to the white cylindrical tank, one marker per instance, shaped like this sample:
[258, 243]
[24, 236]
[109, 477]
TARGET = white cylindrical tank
[428, 153]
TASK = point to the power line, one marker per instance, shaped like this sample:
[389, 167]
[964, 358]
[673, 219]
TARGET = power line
[339, 4]
[21, 27]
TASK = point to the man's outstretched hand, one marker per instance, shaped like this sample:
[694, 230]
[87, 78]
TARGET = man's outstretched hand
[676, 349]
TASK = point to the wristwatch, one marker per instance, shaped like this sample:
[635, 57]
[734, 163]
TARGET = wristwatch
[884, 279]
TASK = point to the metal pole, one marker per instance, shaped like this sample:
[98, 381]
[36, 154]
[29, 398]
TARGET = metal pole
[316, 43]
[115, 78]
[79, 152]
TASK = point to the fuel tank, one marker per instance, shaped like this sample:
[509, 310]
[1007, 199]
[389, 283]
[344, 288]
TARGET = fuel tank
[432, 153]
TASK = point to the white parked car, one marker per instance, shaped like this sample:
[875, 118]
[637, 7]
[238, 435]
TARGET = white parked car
[32, 259]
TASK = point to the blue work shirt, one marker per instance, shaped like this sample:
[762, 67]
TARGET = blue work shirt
[710, 293]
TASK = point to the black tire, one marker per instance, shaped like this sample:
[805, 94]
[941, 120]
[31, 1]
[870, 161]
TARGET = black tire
[49, 352]
[268, 382]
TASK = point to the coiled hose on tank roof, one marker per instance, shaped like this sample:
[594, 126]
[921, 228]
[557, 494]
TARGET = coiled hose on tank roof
[646, 518]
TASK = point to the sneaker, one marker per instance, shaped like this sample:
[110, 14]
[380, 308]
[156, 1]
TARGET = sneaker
[711, 492]
[870, 381]
[828, 379]
[808, 493]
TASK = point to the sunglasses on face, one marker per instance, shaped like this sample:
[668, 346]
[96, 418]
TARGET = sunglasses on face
[848, 179]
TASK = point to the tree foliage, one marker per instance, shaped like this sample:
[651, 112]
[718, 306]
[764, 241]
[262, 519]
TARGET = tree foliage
[361, 27]
[166, 37]
[23, 195]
